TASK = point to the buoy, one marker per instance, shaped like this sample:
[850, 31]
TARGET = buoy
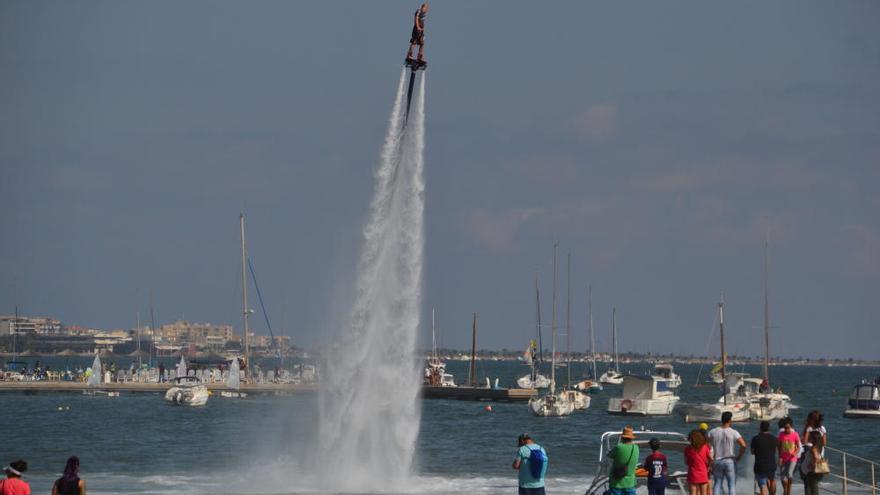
[488, 408]
[60, 408]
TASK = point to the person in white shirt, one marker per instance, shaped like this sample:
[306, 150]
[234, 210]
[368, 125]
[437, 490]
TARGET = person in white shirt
[724, 440]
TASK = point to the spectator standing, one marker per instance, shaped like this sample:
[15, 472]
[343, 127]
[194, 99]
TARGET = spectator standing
[698, 458]
[658, 469]
[765, 448]
[724, 440]
[70, 483]
[624, 461]
[13, 484]
[531, 462]
[789, 451]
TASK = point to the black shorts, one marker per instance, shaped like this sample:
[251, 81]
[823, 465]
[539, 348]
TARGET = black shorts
[417, 38]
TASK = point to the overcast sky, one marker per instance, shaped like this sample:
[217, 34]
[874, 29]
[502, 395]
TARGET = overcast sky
[656, 141]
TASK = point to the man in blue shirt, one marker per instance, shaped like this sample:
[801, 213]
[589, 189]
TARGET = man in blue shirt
[528, 456]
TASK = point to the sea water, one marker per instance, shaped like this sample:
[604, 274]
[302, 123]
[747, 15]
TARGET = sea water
[138, 443]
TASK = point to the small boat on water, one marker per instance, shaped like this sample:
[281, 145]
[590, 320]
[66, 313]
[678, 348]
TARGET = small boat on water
[644, 396]
[864, 401]
[233, 382]
[187, 391]
[613, 376]
[666, 372]
[533, 356]
[731, 401]
[552, 404]
[765, 404]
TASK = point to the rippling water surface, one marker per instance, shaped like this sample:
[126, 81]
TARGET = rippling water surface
[137, 443]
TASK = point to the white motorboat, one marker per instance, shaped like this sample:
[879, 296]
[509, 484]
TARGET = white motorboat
[864, 401]
[666, 372]
[187, 391]
[613, 376]
[673, 444]
[552, 404]
[101, 393]
[644, 396]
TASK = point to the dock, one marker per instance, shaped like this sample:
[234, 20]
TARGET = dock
[479, 394]
[36, 387]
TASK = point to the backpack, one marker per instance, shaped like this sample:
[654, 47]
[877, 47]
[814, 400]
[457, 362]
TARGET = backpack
[537, 458]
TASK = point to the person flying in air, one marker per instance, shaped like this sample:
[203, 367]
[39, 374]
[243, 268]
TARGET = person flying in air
[418, 33]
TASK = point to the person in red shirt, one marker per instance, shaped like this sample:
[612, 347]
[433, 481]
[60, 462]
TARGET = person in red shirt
[658, 469]
[698, 457]
[13, 484]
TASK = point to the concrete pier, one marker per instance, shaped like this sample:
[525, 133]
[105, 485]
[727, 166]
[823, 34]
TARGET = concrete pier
[35, 387]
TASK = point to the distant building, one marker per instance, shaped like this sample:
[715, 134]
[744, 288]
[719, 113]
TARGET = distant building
[40, 325]
[264, 341]
[183, 332]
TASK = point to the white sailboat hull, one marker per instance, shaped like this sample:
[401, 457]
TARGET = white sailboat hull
[551, 406]
[580, 400]
[526, 381]
[711, 413]
[767, 407]
[611, 377]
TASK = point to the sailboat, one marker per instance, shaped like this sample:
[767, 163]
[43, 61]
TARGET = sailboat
[590, 384]
[95, 378]
[613, 376]
[435, 371]
[579, 398]
[551, 403]
[767, 404]
[233, 382]
[737, 405]
[533, 353]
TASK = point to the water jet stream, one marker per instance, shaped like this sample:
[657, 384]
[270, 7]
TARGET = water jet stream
[369, 394]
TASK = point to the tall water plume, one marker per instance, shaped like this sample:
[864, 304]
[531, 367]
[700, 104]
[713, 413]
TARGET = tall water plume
[369, 409]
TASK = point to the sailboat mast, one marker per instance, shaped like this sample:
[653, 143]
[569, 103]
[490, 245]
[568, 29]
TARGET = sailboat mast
[723, 355]
[153, 330]
[614, 338]
[538, 320]
[15, 332]
[473, 371]
[138, 323]
[568, 320]
[595, 376]
[433, 339]
[244, 298]
[553, 324]
[766, 313]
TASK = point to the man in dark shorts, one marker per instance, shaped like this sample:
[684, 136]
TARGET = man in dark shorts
[418, 33]
[765, 448]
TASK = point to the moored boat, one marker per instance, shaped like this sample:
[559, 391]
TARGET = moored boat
[187, 391]
[864, 401]
[643, 396]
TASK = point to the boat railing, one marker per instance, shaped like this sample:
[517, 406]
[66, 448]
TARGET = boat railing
[855, 474]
